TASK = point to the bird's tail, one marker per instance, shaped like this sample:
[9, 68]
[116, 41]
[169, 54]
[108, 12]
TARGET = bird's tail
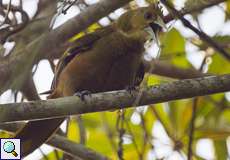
[35, 133]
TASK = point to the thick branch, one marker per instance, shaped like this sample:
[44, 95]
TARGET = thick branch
[62, 107]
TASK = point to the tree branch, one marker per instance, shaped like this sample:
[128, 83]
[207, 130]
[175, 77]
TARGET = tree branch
[66, 106]
[201, 34]
[168, 70]
[62, 143]
[193, 9]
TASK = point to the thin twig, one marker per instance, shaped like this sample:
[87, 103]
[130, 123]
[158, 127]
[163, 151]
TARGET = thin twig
[133, 138]
[64, 11]
[145, 135]
[192, 128]
[201, 34]
[193, 118]
[121, 131]
[158, 117]
[82, 130]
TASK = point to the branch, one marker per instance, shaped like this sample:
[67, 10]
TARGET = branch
[201, 34]
[168, 70]
[66, 106]
[74, 149]
[193, 9]
[62, 143]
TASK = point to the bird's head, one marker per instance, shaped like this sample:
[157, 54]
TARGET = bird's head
[149, 19]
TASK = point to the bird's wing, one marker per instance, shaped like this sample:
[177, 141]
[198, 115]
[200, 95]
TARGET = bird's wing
[79, 46]
[139, 75]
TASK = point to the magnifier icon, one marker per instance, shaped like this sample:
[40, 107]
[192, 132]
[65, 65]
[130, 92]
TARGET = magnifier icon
[9, 147]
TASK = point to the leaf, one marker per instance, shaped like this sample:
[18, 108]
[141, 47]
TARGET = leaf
[73, 130]
[4, 134]
[219, 65]
[98, 140]
[173, 43]
[221, 149]
[149, 120]
[92, 120]
[227, 10]
[52, 155]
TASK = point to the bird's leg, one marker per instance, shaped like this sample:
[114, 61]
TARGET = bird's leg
[82, 94]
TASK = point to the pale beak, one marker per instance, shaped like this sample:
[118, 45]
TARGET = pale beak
[150, 31]
[156, 27]
[161, 23]
[153, 35]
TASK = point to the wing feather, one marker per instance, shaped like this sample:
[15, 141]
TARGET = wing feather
[79, 46]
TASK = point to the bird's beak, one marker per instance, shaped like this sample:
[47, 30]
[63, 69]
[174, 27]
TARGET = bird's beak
[150, 31]
[156, 27]
[161, 22]
[153, 35]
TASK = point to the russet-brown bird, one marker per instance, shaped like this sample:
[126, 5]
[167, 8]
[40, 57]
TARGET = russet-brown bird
[105, 60]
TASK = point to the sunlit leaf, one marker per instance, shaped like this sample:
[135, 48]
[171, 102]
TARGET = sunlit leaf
[219, 65]
[173, 42]
[73, 130]
[53, 155]
[221, 149]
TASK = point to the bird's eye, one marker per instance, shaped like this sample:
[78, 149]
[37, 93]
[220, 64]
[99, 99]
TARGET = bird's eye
[148, 16]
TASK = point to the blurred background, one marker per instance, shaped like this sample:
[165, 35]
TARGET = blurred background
[159, 131]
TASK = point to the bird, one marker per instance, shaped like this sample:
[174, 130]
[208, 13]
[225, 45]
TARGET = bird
[107, 59]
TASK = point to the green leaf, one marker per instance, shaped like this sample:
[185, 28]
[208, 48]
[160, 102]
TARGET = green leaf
[98, 140]
[173, 48]
[173, 43]
[221, 149]
[219, 65]
[180, 114]
[52, 155]
[73, 130]
[149, 120]
[227, 10]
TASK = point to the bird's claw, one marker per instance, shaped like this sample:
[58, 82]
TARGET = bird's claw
[82, 94]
